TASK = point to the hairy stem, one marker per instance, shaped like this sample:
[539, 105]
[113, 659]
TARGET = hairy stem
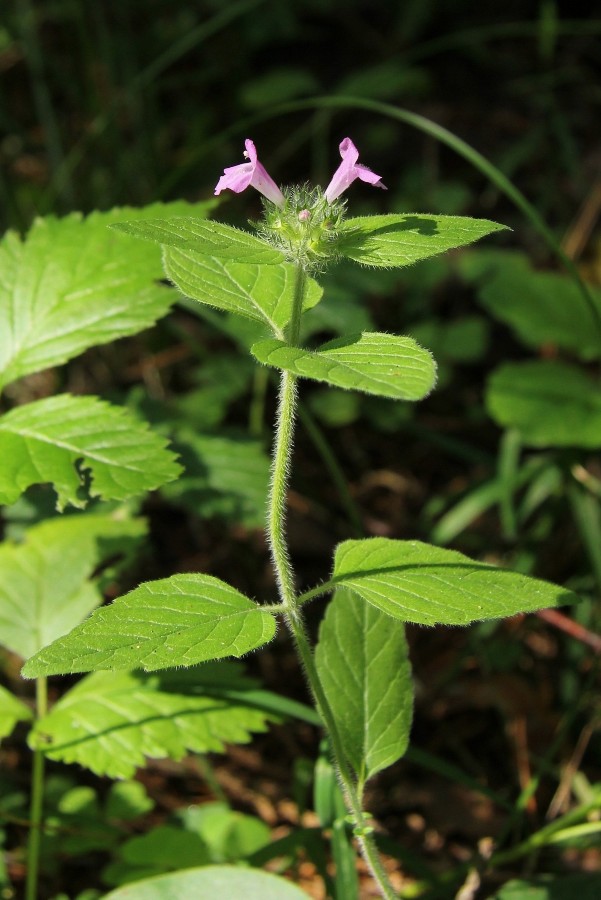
[36, 802]
[285, 577]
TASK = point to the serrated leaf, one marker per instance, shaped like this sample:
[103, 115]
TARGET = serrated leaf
[541, 307]
[207, 238]
[209, 882]
[380, 364]
[363, 666]
[400, 240]
[111, 721]
[12, 710]
[44, 586]
[262, 293]
[418, 582]
[73, 283]
[177, 621]
[551, 403]
[54, 439]
[226, 477]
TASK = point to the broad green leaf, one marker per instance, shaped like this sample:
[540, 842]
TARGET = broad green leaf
[400, 240]
[224, 476]
[261, 293]
[110, 721]
[380, 364]
[165, 848]
[551, 403]
[12, 710]
[73, 283]
[60, 439]
[418, 582]
[207, 238]
[364, 669]
[177, 621]
[209, 882]
[541, 307]
[229, 834]
[44, 586]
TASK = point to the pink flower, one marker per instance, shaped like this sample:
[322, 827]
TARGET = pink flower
[238, 178]
[348, 170]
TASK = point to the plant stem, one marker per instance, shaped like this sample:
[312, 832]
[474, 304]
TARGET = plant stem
[37, 800]
[285, 577]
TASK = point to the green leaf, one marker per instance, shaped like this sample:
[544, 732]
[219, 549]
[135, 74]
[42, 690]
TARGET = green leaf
[73, 283]
[551, 403]
[59, 439]
[364, 669]
[541, 307]
[209, 882]
[207, 238]
[418, 582]
[177, 621]
[44, 586]
[400, 240]
[262, 293]
[126, 799]
[110, 721]
[584, 886]
[380, 364]
[224, 476]
[229, 834]
[12, 710]
[165, 848]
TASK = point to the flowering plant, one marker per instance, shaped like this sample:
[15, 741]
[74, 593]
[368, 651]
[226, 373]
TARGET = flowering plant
[302, 222]
[358, 672]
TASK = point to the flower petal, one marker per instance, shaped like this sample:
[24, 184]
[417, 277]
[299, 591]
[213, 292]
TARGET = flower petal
[348, 171]
[238, 178]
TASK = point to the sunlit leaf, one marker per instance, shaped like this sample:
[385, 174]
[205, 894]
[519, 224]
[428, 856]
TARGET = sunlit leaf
[418, 582]
[364, 669]
[400, 240]
[210, 882]
[177, 621]
[380, 364]
[60, 439]
[74, 282]
[208, 238]
[262, 293]
[110, 721]
[44, 582]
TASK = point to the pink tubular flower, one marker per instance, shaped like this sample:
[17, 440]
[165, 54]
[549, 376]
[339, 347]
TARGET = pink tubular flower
[238, 178]
[348, 170]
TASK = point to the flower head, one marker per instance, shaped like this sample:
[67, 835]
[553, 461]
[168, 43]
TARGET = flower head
[348, 171]
[303, 222]
[238, 178]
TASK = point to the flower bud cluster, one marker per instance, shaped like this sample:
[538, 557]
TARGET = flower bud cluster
[305, 228]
